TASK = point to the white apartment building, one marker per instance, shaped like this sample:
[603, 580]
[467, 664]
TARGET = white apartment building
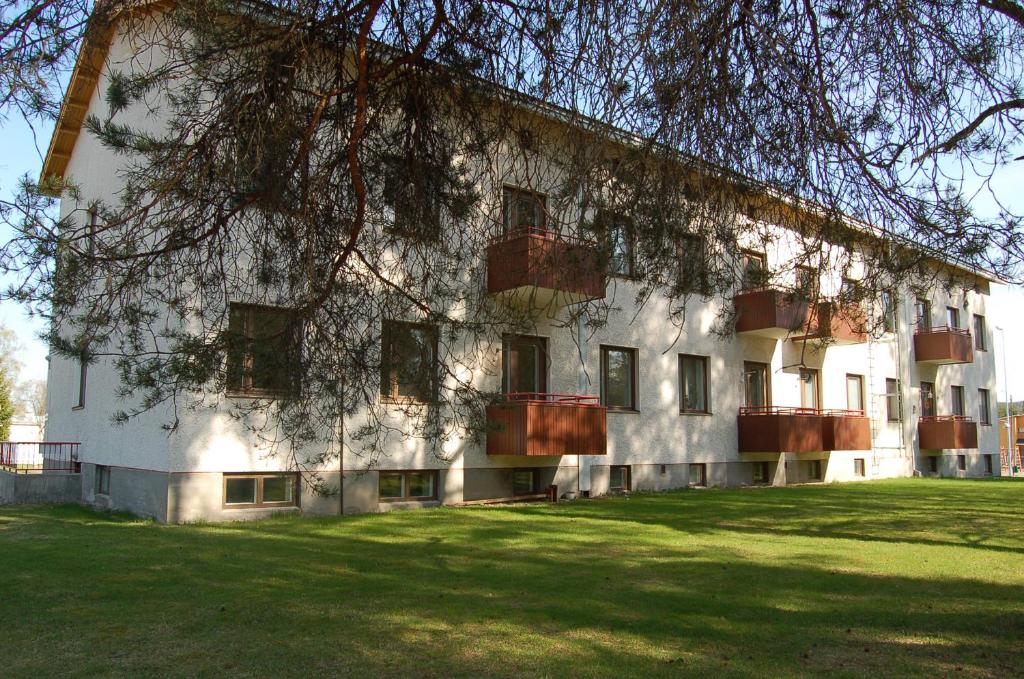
[638, 404]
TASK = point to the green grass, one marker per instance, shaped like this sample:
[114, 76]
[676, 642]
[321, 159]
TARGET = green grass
[911, 577]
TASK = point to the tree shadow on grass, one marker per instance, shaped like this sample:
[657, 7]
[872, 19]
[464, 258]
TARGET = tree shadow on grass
[592, 589]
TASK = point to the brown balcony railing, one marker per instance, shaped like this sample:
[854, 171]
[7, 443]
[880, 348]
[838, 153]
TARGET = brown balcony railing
[776, 429]
[547, 424]
[837, 323]
[33, 457]
[943, 345]
[942, 432]
[770, 312]
[543, 266]
[845, 430]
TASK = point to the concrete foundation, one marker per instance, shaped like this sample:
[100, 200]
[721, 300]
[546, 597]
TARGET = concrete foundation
[45, 488]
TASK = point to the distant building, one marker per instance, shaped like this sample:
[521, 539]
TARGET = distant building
[28, 428]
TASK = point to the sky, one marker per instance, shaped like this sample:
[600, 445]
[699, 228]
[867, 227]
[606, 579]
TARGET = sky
[21, 152]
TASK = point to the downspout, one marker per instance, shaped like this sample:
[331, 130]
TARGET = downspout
[582, 387]
[904, 381]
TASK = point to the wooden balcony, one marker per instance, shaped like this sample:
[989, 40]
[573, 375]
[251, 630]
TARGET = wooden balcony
[845, 430]
[539, 268]
[770, 313]
[947, 432]
[837, 323]
[772, 429]
[943, 345]
[547, 424]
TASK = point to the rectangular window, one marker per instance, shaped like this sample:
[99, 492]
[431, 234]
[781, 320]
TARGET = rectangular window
[927, 399]
[264, 345]
[699, 475]
[524, 481]
[952, 317]
[923, 314]
[806, 282]
[988, 464]
[754, 270]
[850, 291]
[693, 378]
[984, 407]
[524, 211]
[888, 311]
[524, 363]
[755, 385]
[814, 470]
[102, 479]
[961, 462]
[619, 477]
[261, 490]
[956, 395]
[859, 467]
[980, 334]
[762, 472]
[83, 376]
[893, 400]
[407, 485]
[618, 378]
[408, 362]
[809, 388]
[933, 464]
[621, 247]
[855, 392]
[693, 271]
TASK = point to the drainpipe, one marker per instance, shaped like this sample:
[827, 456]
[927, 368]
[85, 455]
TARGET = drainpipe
[582, 387]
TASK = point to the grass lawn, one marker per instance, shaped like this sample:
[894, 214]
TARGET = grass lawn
[911, 577]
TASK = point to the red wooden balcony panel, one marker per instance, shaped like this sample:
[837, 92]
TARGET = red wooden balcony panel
[943, 345]
[846, 430]
[547, 424]
[770, 312]
[947, 432]
[780, 430]
[842, 323]
[536, 259]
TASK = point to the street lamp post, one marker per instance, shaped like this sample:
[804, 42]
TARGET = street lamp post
[1006, 393]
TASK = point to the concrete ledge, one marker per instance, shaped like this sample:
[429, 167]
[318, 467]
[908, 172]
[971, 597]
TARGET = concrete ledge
[40, 488]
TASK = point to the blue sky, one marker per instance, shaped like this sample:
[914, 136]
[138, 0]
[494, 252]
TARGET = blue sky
[22, 153]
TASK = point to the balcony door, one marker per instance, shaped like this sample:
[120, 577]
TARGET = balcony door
[755, 385]
[923, 312]
[927, 399]
[524, 211]
[525, 365]
[809, 388]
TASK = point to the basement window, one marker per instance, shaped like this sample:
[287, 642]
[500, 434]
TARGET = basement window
[699, 475]
[102, 479]
[988, 464]
[933, 464]
[260, 490]
[814, 470]
[762, 472]
[416, 485]
[961, 462]
[619, 477]
[858, 467]
[524, 481]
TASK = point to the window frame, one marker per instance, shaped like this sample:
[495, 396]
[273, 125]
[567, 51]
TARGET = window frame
[933, 464]
[816, 374]
[540, 344]
[634, 406]
[390, 379]
[540, 204]
[952, 317]
[957, 400]
[704, 360]
[984, 407]
[989, 465]
[404, 474]
[922, 314]
[934, 410]
[860, 469]
[102, 484]
[260, 477]
[750, 367]
[891, 414]
[816, 471]
[532, 471]
[859, 380]
[245, 388]
[889, 317]
[980, 333]
[961, 462]
[616, 223]
[628, 475]
[702, 480]
[746, 285]
[83, 381]
[805, 289]
[692, 269]
[764, 466]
